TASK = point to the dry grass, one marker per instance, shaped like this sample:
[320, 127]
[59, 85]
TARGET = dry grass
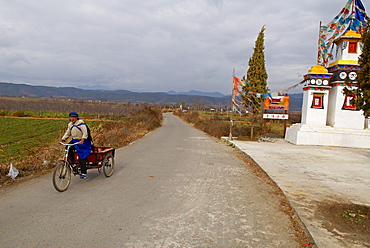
[107, 133]
[218, 125]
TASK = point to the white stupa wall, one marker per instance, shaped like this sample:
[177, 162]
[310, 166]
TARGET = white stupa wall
[343, 54]
[340, 118]
[311, 115]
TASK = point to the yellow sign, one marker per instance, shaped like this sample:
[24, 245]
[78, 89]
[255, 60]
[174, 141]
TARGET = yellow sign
[276, 103]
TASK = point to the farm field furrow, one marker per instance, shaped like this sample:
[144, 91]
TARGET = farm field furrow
[19, 137]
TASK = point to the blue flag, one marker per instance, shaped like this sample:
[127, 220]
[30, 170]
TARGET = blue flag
[360, 13]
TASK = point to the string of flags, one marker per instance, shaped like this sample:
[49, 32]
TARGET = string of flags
[236, 92]
[239, 105]
[237, 83]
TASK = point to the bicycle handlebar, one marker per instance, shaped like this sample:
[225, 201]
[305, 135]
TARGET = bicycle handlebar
[68, 144]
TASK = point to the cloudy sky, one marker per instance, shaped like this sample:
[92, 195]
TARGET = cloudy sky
[158, 45]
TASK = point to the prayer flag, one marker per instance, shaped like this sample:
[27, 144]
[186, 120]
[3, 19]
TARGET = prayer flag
[236, 86]
[360, 13]
[344, 21]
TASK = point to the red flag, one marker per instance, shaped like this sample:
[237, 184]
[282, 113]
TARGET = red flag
[237, 82]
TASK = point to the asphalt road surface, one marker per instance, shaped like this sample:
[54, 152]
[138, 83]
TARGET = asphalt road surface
[176, 187]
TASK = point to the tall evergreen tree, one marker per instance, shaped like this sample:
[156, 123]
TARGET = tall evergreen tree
[256, 80]
[363, 79]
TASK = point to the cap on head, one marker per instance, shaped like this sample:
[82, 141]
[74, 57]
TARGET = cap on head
[73, 114]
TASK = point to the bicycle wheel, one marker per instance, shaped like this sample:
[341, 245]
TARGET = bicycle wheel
[108, 165]
[61, 176]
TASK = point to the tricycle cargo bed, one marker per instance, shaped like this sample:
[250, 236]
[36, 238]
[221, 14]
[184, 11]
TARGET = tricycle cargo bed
[102, 149]
[98, 153]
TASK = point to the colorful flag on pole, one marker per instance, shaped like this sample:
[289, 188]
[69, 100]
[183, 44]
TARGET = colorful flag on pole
[236, 90]
[360, 13]
[351, 17]
[238, 105]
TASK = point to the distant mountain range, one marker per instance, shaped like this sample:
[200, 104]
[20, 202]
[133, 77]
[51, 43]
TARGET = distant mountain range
[24, 90]
[188, 93]
[207, 98]
[199, 93]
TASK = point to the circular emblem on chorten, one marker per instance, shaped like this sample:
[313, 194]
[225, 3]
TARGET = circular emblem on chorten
[325, 82]
[352, 75]
[342, 75]
[319, 82]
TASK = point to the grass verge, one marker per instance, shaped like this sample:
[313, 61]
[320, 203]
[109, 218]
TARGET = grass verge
[31, 144]
[219, 125]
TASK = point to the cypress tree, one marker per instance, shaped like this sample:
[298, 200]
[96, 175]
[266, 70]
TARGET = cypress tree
[255, 80]
[363, 79]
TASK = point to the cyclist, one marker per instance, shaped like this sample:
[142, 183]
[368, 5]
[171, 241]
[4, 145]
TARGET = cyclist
[78, 130]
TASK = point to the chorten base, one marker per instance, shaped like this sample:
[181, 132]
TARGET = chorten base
[305, 134]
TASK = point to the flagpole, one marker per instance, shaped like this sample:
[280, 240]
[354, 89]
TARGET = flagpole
[232, 106]
[353, 13]
[353, 6]
[319, 45]
[233, 92]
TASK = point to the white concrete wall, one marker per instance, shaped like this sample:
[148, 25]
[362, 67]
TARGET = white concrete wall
[350, 56]
[311, 115]
[301, 134]
[337, 117]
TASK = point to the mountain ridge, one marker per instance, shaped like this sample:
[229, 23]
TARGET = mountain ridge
[25, 90]
[198, 93]
[172, 97]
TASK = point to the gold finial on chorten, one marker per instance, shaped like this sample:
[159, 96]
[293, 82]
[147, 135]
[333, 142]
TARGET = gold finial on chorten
[351, 34]
[318, 69]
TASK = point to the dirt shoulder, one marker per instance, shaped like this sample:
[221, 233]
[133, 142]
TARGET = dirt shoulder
[302, 236]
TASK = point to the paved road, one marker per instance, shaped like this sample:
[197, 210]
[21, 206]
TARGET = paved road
[176, 187]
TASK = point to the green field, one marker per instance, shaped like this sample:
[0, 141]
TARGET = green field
[19, 137]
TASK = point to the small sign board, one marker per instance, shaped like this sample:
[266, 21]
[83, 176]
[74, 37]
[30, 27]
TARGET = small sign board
[276, 103]
[276, 116]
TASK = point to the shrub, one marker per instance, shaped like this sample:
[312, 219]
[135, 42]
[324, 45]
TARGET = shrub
[217, 128]
[20, 113]
[4, 113]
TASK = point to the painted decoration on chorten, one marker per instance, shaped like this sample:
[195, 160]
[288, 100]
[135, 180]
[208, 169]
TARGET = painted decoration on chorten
[318, 101]
[350, 102]
[352, 17]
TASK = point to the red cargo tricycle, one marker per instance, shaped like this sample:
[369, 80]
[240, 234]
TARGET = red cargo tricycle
[100, 158]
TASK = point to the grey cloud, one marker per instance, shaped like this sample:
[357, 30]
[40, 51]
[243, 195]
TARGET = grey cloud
[157, 45]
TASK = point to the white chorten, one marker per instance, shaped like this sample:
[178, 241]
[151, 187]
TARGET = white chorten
[329, 113]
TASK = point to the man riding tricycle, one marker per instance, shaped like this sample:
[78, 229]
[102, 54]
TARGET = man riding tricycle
[80, 155]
